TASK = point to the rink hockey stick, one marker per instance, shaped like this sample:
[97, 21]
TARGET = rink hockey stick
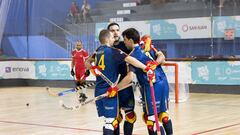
[154, 106]
[64, 92]
[104, 95]
[90, 100]
[107, 80]
[104, 78]
[76, 89]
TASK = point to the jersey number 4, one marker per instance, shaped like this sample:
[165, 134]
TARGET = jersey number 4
[101, 62]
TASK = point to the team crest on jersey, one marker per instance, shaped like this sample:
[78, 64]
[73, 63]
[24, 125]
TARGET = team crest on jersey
[121, 52]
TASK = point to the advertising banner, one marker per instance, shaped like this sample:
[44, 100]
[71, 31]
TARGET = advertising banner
[201, 72]
[53, 70]
[219, 72]
[186, 28]
[183, 28]
[17, 69]
[221, 23]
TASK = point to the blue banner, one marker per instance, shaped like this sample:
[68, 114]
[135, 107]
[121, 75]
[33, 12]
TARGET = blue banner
[182, 28]
[223, 73]
[161, 29]
[53, 70]
[221, 23]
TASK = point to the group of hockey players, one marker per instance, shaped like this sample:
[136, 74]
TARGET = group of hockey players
[134, 56]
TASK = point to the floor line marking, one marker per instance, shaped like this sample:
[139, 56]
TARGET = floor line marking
[52, 126]
[215, 129]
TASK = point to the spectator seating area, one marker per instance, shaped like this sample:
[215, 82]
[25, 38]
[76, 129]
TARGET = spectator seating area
[131, 10]
[124, 10]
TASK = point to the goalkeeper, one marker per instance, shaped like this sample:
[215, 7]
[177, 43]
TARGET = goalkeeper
[79, 55]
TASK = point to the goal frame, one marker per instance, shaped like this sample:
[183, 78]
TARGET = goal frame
[175, 65]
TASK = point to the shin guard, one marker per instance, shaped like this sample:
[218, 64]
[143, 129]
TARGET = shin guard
[111, 124]
[151, 126]
[129, 122]
[167, 123]
[119, 119]
[168, 127]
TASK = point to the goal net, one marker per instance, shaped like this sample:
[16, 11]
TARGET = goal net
[178, 85]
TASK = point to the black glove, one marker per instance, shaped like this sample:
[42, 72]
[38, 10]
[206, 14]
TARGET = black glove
[72, 72]
[82, 98]
[87, 73]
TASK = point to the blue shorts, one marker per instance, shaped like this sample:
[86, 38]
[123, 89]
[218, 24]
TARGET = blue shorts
[126, 99]
[161, 96]
[107, 107]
